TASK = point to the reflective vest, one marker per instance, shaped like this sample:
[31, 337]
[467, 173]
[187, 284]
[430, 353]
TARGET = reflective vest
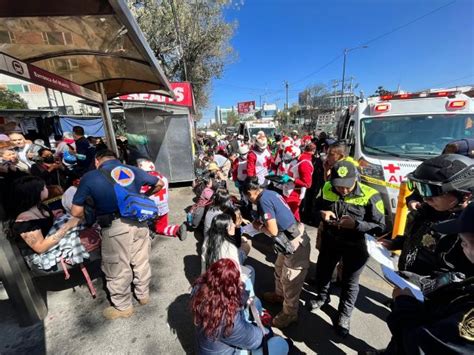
[161, 197]
[241, 169]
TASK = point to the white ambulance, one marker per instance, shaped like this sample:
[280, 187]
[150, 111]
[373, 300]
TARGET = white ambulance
[391, 135]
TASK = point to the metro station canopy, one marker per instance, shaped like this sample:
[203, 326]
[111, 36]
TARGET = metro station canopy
[84, 41]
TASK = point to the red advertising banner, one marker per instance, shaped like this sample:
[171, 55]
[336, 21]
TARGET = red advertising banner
[183, 92]
[15, 67]
[245, 107]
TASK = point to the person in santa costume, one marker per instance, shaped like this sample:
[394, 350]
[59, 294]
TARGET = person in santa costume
[160, 224]
[298, 178]
[259, 160]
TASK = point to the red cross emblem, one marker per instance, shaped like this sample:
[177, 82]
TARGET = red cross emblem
[391, 168]
[161, 194]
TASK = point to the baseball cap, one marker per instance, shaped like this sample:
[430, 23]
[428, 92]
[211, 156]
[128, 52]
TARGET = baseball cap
[463, 224]
[343, 174]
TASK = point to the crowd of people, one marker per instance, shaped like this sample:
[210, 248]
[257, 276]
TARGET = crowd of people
[69, 202]
[311, 180]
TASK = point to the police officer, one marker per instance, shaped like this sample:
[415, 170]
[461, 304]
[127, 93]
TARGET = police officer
[277, 221]
[125, 242]
[444, 322]
[445, 183]
[349, 210]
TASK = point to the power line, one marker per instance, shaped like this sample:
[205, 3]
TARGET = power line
[408, 23]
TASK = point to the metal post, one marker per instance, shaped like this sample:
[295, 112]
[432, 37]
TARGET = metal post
[109, 128]
[49, 99]
[286, 87]
[343, 77]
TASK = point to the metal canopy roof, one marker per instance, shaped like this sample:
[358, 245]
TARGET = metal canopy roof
[85, 41]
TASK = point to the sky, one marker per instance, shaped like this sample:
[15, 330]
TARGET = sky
[302, 41]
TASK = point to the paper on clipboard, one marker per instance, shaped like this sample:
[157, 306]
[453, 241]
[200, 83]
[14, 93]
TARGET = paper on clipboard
[250, 230]
[379, 252]
[400, 282]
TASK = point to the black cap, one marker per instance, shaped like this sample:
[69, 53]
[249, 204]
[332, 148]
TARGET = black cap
[463, 224]
[343, 174]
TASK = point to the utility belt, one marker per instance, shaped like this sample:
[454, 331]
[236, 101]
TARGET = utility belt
[105, 220]
[283, 239]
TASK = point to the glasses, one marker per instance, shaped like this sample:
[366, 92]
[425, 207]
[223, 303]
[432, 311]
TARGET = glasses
[425, 189]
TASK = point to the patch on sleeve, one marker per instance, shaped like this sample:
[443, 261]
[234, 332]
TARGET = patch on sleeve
[267, 216]
[379, 206]
[122, 176]
[466, 327]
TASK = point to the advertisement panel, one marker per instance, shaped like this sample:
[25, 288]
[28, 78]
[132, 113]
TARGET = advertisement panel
[245, 107]
[183, 92]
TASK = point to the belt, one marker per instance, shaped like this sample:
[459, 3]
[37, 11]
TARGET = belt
[106, 220]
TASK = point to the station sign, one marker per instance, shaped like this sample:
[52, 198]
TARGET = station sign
[29, 72]
[183, 96]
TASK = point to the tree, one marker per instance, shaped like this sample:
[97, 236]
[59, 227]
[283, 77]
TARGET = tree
[315, 96]
[232, 119]
[11, 100]
[190, 38]
[380, 92]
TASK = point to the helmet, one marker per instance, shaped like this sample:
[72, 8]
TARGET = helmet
[243, 149]
[69, 159]
[261, 140]
[442, 174]
[286, 142]
[145, 165]
[291, 153]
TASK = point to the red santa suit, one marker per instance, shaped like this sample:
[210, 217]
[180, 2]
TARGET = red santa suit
[161, 200]
[301, 170]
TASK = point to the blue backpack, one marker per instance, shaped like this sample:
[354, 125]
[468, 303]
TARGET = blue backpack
[131, 205]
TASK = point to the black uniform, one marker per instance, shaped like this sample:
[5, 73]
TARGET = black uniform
[425, 251]
[441, 325]
[365, 206]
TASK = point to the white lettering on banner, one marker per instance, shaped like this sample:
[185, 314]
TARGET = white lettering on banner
[179, 92]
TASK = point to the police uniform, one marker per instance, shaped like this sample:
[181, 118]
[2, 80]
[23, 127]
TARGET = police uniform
[365, 206]
[290, 270]
[125, 243]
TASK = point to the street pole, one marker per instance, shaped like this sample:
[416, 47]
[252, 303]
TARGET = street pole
[343, 76]
[107, 118]
[286, 88]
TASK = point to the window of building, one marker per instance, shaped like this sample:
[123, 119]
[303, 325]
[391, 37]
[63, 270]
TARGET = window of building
[7, 37]
[57, 38]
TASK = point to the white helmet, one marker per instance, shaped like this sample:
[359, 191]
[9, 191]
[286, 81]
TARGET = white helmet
[291, 153]
[286, 142]
[243, 149]
[146, 165]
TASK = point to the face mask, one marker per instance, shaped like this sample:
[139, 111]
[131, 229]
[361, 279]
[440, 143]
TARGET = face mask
[49, 159]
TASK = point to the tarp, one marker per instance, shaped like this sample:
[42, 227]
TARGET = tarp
[93, 126]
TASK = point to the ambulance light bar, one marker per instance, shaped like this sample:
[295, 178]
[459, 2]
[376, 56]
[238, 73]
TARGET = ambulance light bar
[418, 95]
[456, 104]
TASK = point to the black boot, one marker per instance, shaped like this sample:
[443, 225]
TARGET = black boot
[343, 326]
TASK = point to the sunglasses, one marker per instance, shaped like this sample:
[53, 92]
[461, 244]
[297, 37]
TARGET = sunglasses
[425, 189]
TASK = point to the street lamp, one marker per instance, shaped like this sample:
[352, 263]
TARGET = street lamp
[346, 51]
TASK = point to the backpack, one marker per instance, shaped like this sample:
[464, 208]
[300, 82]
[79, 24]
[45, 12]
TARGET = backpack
[131, 205]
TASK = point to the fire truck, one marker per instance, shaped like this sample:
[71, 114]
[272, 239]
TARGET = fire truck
[391, 135]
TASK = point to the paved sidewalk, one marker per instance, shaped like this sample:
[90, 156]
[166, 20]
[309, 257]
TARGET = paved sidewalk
[75, 325]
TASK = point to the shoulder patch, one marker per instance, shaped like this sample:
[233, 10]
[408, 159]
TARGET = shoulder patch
[380, 207]
[122, 175]
[466, 327]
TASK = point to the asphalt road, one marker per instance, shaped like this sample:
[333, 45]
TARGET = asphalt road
[75, 325]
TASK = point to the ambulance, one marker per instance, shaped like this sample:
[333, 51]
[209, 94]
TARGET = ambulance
[391, 135]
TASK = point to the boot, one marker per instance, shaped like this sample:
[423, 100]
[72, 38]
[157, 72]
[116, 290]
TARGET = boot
[283, 320]
[343, 326]
[144, 301]
[312, 305]
[111, 313]
[183, 232]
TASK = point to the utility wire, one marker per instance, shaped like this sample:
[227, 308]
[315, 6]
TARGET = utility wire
[407, 24]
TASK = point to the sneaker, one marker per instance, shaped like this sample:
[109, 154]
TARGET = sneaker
[183, 232]
[144, 301]
[111, 313]
[283, 320]
[312, 305]
[343, 326]
[272, 297]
